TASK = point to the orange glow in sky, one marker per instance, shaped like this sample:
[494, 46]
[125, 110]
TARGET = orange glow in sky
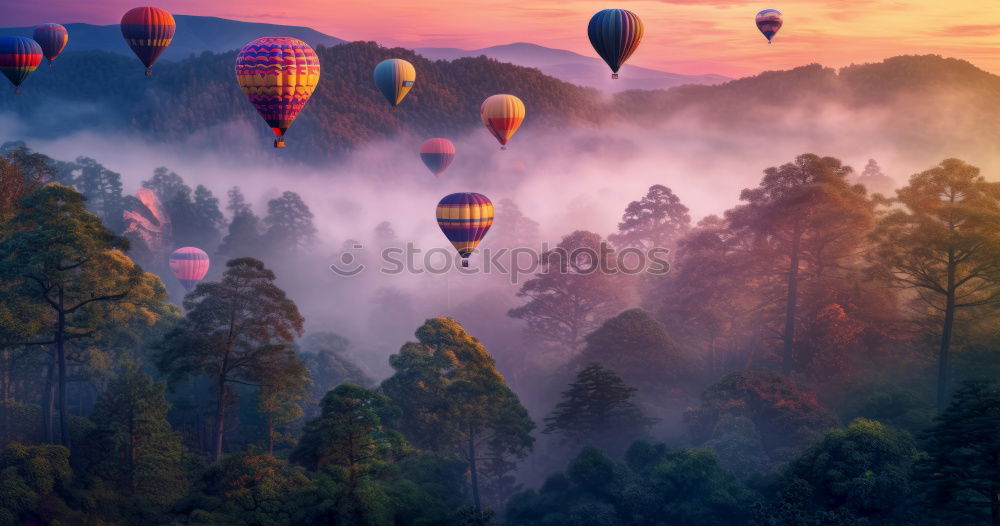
[683, 36]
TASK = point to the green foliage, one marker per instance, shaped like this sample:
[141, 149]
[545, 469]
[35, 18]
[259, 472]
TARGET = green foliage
[195, 220]
[34, 481]
[327, 357]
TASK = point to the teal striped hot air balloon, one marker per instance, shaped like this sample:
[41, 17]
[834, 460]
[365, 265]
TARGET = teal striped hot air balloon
[615, 35]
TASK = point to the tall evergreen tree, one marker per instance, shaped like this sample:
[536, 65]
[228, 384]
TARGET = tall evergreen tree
[289, 223]
[103, 190]
[657, 220]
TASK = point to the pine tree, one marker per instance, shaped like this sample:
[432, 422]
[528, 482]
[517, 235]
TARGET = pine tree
[659, 219]
[289, 223]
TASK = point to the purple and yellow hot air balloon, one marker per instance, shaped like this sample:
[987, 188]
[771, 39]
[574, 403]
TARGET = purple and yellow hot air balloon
[19, 56]
[769, 22]
[52, 38]
[615, 35]
[502, 115]
[148, 31]
[437, 154]
[189, 265]
[278, 75]
[465, 218]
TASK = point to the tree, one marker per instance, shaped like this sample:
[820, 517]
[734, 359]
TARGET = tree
[195, 220]
[103, 190]
[33, 475]
[803, 214]
[960, 478]
[132, 445]
[577, 289]
[326, 356]
[598, 410]
[289, 223]
[657, 220]
[280, 397]
[454, 401]
[875, 181]
[237, 331]
[63, 258]
[15, 183]
[943, 243]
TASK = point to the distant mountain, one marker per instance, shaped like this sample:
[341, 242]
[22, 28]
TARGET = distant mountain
[574, 67]
[195, 35]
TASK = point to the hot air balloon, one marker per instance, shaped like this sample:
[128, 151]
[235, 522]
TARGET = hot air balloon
[189, 264]
[148, 31]
[52, 38]
[464, 218]
[19, 56]
[502, 114]
[278, 75]
[769, 22]
[437, 154]
[394, 77]
[615, 34]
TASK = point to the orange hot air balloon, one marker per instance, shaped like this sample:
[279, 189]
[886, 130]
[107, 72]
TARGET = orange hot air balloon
[502, 115]
[148, 31]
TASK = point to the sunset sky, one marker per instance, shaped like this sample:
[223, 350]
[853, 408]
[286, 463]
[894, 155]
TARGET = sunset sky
[684, 36]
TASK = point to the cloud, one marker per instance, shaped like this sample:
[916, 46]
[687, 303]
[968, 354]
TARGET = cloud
[973, 30]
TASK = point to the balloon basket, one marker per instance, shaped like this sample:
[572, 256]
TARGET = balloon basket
[614, 76]
[17, 91]
[149, 72]
[465, 263]
[504, 147]
[279, 142]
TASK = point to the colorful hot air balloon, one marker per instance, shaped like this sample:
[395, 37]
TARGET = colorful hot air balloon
[19, 56]
[278, 75]
[148, 31]
[769, 22]
[437, 154]
[615, 34]
[189, 264]
[52, 38]
[502, 114]
[464, 218]
[394, 77]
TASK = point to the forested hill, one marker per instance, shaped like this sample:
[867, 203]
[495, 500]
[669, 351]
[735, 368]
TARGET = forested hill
[198, 100]
[913, 102]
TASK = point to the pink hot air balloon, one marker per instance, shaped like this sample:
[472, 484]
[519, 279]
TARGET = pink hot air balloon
[189, 264]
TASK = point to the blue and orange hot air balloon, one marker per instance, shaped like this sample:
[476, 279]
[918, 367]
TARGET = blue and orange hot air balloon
[52, 38]
[394, 77]
[278, 75]
[465, 218]
[437, 154]
[19, 56]
[148, 31]
[189, 265]
[502, 115]
[615, 34]
[769, 22]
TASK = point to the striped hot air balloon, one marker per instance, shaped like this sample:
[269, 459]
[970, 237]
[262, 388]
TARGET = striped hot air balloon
[502, 114]
[278, 75]
[19, 56]
[394, 77]
[464, 218]
[769, 22]
[615, 34]
[52, 38]
[148, 31]
[437, 154]
[189, 264]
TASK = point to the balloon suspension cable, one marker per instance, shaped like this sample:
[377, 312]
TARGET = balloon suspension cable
[614, 76]
[149, 72]
[279, 142]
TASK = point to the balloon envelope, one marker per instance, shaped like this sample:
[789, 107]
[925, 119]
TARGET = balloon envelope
[52, 38]
[189, 265]
[465, 218]
[615, 35]
[437, 154]
[394, 77]
[278, 75]
[769, 22]
[502, 115]
[19, 56]
[148, 31]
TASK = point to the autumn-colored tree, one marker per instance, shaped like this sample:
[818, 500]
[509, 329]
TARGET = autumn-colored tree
[942, 241]
[236, 331]
[454, 401]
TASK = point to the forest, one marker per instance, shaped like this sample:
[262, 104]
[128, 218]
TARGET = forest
[821, 353]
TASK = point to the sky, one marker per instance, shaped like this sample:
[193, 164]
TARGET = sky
[682, 36]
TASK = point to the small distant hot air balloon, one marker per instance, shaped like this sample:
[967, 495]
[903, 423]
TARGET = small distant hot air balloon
[464, 218]
[19, 56]
[615, 34]
[189, 264]
[148, 31]
[52, 38]
[769, 22]
[502, 114]
[394, 77]
[278, 75]
[437, 154]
